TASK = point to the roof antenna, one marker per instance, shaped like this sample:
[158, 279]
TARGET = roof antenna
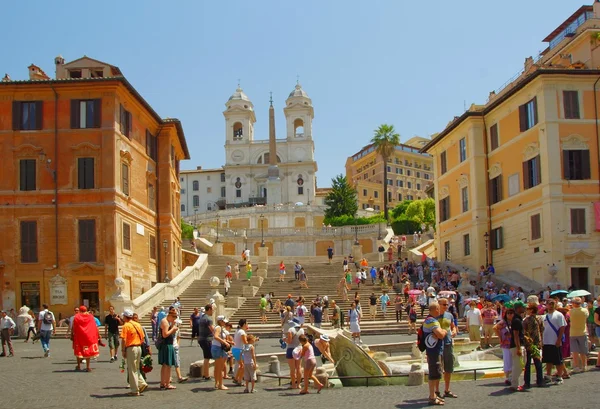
[239, 83]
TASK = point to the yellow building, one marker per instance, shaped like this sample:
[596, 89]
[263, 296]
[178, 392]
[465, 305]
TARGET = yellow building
[409, 174]
[523, 168]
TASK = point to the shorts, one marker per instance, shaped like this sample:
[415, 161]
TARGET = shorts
[217, 352]
[448, 358]
[373, 309]
[289, 353]
[206, 348]
[177, 359]
[434, 363]
[113, 340]
[263, 312]
[579, 344]
[551, 354]
[237, 353]
[488, 329]
[249, 373]
[474, 333]
[195, 331]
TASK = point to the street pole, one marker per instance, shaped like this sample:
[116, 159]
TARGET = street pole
[218, 218]
[166, 247]
[262, 230]
[355, 230]
[486, 237]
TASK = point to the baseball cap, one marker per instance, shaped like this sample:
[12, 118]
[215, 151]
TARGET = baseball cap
[128, 313]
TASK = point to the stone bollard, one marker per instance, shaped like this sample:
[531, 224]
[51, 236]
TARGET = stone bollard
[323, 377]
[258, 373]
[274, 366]
[416, 375]
[196, 369]
[415, 352]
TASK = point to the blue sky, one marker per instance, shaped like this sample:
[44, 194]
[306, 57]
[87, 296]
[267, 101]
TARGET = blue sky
[413, 64]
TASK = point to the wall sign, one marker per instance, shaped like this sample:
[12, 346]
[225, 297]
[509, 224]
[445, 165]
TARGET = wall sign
[58, 290]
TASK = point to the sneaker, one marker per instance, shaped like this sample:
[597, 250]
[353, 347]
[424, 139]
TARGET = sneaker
[547, 379]
[576, 370]
[2, 354]
[558, 380]
[46, 354]
[112, 359]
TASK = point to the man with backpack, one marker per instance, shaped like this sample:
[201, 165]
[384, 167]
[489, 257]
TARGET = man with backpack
[46, 328]
[431, 340]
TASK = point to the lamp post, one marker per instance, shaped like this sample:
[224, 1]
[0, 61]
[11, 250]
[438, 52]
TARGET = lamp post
[355, 230]
[486, 238]
[378, 231]
[262, 230]
[166, 247]
[218, 218]
[195, 217]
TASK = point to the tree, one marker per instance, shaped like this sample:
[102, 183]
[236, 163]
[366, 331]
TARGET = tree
[341, 201]
[385, 141]
[187, 230]
[400, 208]
[421, 212]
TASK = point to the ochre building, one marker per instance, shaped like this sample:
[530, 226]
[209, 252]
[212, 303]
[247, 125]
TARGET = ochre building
[516, 180]
[89, 188]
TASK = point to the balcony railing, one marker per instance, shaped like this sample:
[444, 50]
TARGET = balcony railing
[340, 231]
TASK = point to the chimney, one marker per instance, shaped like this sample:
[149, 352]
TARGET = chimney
[6, 78]
[36, 73]
[492, 95]
[528, 63]
[59, 61]
[198, 167]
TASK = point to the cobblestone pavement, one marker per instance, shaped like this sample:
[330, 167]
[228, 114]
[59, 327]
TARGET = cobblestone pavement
[29, 380]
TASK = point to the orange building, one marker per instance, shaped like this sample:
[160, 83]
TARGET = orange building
[517, 180]
[89, 188]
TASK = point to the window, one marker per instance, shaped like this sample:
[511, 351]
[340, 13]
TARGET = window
[223, 191]
[238, 131]
[152, 146]
[125, 179]
[389, 196]
[571, 104]
[365, 176]
[300, 190]
[389, 168]
[376, 194]
[464, 194]
[513, 184]
[397, 171]
[409, 185]
[85, 113]
[443, 163]
[444, 209]
[87, 240]
[173, 156]
[209, 189]
[399, 197]
[536, 227]
[426, 176]
[462, 149]
[152, 247]
[183, 208]
[364, 192]
[195, 186]
[576, 164]
[196, 201]
[494, 141]
[125, 121]
[209, 206]
[467, 244]
[29, 253]
[183, 191]
[418, 186]
[27, 115]
[390, 182]
[27, 174]
[400, 183]
[528, 116]
[496, 189]
[532, 173]
[126, 236]
[85, 173]
[151, 197]
[578, 221]
[75, 74]
[418, 174]
[222, 177]
[447, 251]
[238, 192]
[373, 172]
[497, 238]
[407, 172]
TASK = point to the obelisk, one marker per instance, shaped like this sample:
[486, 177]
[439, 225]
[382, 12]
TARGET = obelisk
[273, 181]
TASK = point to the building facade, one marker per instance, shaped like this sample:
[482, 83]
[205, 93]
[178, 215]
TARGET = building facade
[201, 190]
[517, 180]
[89, 189]
[410, 172]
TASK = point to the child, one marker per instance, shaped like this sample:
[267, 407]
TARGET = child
[248, 271]
[249, 357]
[310, 363]
[503, 331]
[176, 340]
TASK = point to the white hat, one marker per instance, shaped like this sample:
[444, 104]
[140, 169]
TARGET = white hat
[325, 337]
[222, 318]
[128, 313]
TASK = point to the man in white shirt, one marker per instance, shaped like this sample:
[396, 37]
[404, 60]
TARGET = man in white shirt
[554, 328]
[7, 326]
[474, 322]
[301, 311]
[46, 328]
[247, 255]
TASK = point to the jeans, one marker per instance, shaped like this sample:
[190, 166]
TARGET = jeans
[539, 375]
[45, 340]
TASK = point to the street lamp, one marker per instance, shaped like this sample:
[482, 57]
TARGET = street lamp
[218, 218]
[166, 247]
[195, 217]
[486, 237]
[262, 230]
[355, 230]
[378, 231]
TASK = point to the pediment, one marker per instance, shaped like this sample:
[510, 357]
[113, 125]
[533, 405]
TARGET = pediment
[86, 148]
[579, 257]
[87, 268]
[126, 156]
[27, 150]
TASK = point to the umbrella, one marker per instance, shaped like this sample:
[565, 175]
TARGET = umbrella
[501, 297]
[415, 292]
[468, 300]
[558, 292]
[578, 293]
[447, 293]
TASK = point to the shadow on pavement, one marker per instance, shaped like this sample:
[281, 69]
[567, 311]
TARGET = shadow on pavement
[414, 403]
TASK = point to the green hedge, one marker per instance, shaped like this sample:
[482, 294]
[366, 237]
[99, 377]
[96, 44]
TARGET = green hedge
[351, 221]
[405, 226]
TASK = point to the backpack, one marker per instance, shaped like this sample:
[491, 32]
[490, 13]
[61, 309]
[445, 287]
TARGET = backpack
[421, 339]
[48, 318]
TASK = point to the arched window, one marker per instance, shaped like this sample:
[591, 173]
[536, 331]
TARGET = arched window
[264, 158]
[298, 128]
[195, 185]
[238, 130]
[196, 201]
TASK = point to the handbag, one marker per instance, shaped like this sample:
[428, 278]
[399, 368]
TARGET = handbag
[225, 346]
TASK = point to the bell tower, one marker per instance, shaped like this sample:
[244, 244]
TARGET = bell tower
[239, 119]
[299, 114]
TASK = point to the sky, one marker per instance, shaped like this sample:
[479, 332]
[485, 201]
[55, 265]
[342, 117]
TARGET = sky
[412, 64]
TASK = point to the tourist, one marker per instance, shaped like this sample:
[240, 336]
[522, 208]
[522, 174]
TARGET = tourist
[177, 305]
[554, 328]
[236, 271]
[384, 301]
[7, 328]
[289, 302]
[176, 343]
[85, 338]
[533, 328]
[357, 278]
[228, 270]
[488, 316]
[146, 350]
[502, 330]
[281, 271]
[591, 326]
[111, 332]
[248, 355]
[474, 322]
[227, 284]
[46, 328]
[372, 306]
[297, 268]
[597, 322]
[316, 315]
[381, 252]
[194, 324]
[239, 340]
[132, 339]
[301, 310]
[446, 321]
[325, 305]
[262, 306]
[218, 351]
[310, 363]
[578, 335]
[345, 264]
[354, 322]
[162, 313]
[398, 306]
[247, 255]
[205, 337]
[303, 279]
[329, 254]
[335, 314]
[31, 326]
[229, 359]
[565, 348]
[292, 341]
[363, 276]
[166, 352]
[412, 319]
[517, 341]
[248, 270]
[434, 341]
[154, 321]
[343, 288]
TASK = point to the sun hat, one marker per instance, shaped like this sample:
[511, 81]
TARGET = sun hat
[325, 337]
[127, 313]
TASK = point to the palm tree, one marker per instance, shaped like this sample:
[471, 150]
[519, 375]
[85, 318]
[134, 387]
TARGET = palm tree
[385, 140]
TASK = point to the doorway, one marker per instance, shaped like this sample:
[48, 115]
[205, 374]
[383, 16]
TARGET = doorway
[89, 295]
[579, 278]
[30, 295]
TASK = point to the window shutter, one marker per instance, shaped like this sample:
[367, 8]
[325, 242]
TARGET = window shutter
[526, 184]
[538, 167]
[75, 113]
[39, 115]
[80, 173]
[97, 113]
[586, 171]
[121, 119]
[129, 123]
[500, 242]
[575, 105]
[126, 236]
[535, 113]
[523, 118]
[493, 240]
[89, 173]
[24, 242]
[499, 188]
[566, 166]
[16, 115]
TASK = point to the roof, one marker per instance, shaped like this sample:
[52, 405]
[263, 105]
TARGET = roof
[568, 21]
[239, 95]
[298, 92]
[201, 170]
[491, 106]
[127, 85]
[115, 71]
